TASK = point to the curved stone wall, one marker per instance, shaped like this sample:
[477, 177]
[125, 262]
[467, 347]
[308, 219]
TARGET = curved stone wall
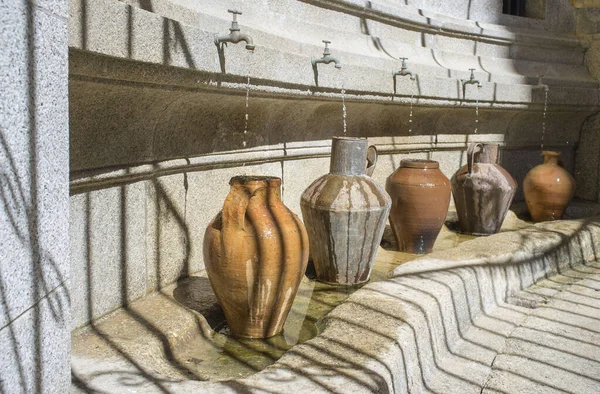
[157, 111]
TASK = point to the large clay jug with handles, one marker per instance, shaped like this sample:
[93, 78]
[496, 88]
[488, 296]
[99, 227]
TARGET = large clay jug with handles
[255, 252]
[345, 213]
[483, 191]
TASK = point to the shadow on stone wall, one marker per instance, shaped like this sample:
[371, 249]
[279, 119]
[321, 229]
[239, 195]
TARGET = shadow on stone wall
[426, 351]
[126, 113]
[34, 298]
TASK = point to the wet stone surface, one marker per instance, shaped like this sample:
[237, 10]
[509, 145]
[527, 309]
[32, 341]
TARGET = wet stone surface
[181, 333]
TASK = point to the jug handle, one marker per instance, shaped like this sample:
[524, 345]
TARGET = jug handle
[471, 155]
[371, 159]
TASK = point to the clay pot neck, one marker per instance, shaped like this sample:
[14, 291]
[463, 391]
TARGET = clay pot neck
[348, 156]
[487, 154]
[551, 157]
[419, 164]
[250, 184]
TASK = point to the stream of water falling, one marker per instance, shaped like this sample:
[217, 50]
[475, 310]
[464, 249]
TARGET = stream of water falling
[246, 109]
[344, 113]
[246, 115]
[476, 109]
[410, 115]
[544, 119]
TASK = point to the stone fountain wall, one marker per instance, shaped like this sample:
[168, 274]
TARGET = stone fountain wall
[34, 198]
[157, 112]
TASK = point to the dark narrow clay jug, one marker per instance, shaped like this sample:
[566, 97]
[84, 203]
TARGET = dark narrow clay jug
[483, 191]
[548, 189]
[345, 213]
[255, 252]
[420, 198]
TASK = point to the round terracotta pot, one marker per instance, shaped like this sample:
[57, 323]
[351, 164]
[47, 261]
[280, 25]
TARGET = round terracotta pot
[483, 191]
[255, 253]
[420, 198]
[548, 189]
[345, 213]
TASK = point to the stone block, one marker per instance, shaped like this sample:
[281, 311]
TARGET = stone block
[450, 161]
[108, 250]
[36, 348]
[297, 176]
[58, 7]
[33, 157]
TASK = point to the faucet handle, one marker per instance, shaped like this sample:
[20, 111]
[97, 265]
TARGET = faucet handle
[326, 49]
[235, 14]
[472, 77]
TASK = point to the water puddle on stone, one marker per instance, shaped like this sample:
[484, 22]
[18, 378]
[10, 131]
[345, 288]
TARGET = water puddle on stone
[181, 332]
[222, 356]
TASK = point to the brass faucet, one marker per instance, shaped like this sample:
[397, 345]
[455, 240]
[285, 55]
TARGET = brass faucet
[234, 34]
[327, 58]
[403, 70]
[470, 81]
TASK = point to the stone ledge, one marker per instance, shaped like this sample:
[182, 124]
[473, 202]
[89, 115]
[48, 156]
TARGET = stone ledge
[436, 324]
[88, 180]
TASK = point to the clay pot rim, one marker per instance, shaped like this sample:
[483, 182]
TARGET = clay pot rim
[243, 179]
[551, 153]
[419, 163]
[345, 138]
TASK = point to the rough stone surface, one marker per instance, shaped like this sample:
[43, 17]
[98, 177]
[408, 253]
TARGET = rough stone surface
[108, 250]
[134, 239]
[185, 107]
[152, 101]
[516, 309]
[587, 165]
[34, 182]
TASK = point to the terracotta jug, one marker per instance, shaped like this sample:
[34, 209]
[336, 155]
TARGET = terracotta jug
[548, 189]
[345, 213]
[420, 198]
[483, 191]
[255, 253]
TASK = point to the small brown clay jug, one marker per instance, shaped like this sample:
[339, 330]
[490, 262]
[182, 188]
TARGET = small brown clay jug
[548, 189]
[420, 198]
[255, 252]
[483, 191]
[345, 213]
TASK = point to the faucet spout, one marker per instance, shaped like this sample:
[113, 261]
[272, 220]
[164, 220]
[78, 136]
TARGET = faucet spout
[327, 57]
[404, 70]
[470, 81]
[541, 85]
[326, 60]
[234, 35]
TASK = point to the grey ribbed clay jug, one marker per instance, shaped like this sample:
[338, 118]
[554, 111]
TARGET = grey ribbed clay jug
[345, 213]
